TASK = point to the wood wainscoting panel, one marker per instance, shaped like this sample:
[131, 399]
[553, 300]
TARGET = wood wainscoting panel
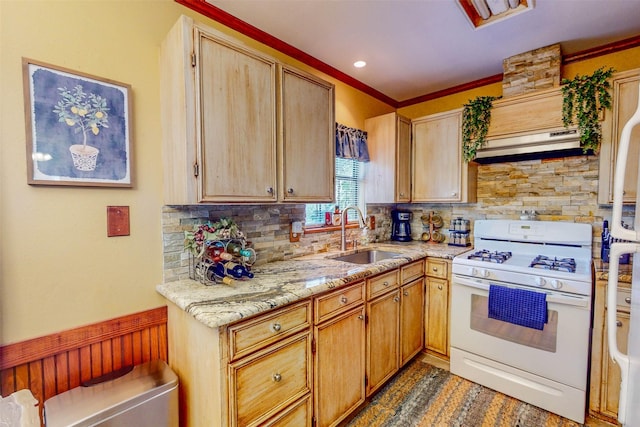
[55, 363]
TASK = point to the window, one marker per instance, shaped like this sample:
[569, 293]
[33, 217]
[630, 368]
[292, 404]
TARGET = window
[347, 193]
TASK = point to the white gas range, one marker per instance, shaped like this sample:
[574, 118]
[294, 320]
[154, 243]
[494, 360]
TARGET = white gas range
[521, 312]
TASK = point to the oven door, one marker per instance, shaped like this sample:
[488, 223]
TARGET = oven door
[559, 352]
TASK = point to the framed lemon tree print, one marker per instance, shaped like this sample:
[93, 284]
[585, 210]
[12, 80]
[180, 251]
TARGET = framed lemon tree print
[78, 128]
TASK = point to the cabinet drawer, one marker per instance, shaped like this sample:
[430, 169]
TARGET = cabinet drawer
[624, 300]
[382, 284]
[411, 271]
[437, 267]
[338, 301]
[298, 414]
[263, 384]
[254, 334]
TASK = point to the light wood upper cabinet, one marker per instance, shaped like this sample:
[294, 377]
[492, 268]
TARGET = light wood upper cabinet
[440, 174]
[240, 127]
[308, 122]
[387, 176]
[624, 92]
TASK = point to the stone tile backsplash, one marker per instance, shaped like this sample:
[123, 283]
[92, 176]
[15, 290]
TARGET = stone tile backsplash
[563, 189]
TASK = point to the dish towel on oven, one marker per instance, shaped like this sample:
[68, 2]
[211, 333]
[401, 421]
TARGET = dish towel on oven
[519, 306]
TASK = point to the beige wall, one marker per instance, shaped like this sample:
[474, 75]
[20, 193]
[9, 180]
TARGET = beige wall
[59, 270]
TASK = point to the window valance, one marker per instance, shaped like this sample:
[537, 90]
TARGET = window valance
[351, 143]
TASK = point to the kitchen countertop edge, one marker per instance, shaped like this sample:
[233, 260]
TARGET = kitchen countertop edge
[283, 282]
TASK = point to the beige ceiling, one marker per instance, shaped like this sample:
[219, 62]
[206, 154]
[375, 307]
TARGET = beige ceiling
[417, 47]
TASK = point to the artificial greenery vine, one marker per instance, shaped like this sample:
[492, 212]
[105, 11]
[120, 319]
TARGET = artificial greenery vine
[583, 99]
[476, 116]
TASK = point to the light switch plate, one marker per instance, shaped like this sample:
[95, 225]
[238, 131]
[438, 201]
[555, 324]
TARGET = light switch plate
[295, 231]
[117, 221]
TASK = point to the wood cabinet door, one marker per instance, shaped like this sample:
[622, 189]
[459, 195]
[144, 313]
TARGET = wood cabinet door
[307, 106]
[268, 381]
[403, 160]
[411, 320]
[437, 316]
[339, 367]
[624, 104]
[610, 386]
[383, 334]
[236, 118]
[387, 176]
[437, 158]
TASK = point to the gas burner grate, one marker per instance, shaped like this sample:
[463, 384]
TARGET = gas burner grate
[558, 264]
[488, 256]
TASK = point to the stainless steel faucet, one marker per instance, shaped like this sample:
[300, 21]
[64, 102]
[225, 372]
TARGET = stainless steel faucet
[343, 223]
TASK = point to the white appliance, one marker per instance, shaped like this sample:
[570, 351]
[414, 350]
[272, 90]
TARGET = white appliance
[629, 405]
[545, 364]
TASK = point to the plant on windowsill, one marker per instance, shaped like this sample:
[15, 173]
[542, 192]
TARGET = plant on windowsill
[583, 99]
[476, 117]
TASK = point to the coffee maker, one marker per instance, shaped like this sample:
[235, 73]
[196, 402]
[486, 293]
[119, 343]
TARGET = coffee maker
[400, 227]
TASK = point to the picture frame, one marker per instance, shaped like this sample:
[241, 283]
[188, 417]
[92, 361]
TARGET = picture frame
[78, 128]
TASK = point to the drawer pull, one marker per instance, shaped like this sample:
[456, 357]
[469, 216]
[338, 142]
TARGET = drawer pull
[276, 378]
[435, 269]
[618, 323]
[343, 299]
[275, 327]
[627, 300]
[386, 283]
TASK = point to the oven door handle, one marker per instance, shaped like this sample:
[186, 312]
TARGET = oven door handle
[553, 297]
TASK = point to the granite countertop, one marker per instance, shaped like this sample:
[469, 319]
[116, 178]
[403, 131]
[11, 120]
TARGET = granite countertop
[278, 283]
[602, 271]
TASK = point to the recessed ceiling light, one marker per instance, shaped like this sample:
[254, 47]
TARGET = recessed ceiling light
[359, 64]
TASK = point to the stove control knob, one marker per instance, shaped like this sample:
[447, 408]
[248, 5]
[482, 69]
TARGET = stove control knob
[484, 273]
[473, 271]
[540, 281]
[556, 284]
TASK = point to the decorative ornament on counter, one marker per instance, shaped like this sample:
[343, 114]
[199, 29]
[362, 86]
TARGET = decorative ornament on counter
[219, 253]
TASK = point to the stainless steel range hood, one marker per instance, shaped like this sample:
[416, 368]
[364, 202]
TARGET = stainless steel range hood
[556, 143]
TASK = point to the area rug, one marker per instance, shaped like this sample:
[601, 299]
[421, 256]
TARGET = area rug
[422, 395]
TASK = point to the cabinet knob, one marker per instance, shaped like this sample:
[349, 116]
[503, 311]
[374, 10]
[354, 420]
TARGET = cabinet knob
[276, 378]
[618, 323]
[440, 287]
[401, 194]
[270, 190]
[435, 269]
[385, 284]
[454, 194]
[361, 317]
[627, 300]
[396, 299]
[405, 293]
[343, 299]
[290, 190]
[276, 327]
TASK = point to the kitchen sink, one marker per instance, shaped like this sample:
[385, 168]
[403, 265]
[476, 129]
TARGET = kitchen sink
[368, 256]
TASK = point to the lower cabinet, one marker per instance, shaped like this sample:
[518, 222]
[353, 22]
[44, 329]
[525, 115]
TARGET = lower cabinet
[411, 320]
[436, 305]
[311, 363]
[605, 373]
[269, 381]
[339, 359]
[383, 337]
